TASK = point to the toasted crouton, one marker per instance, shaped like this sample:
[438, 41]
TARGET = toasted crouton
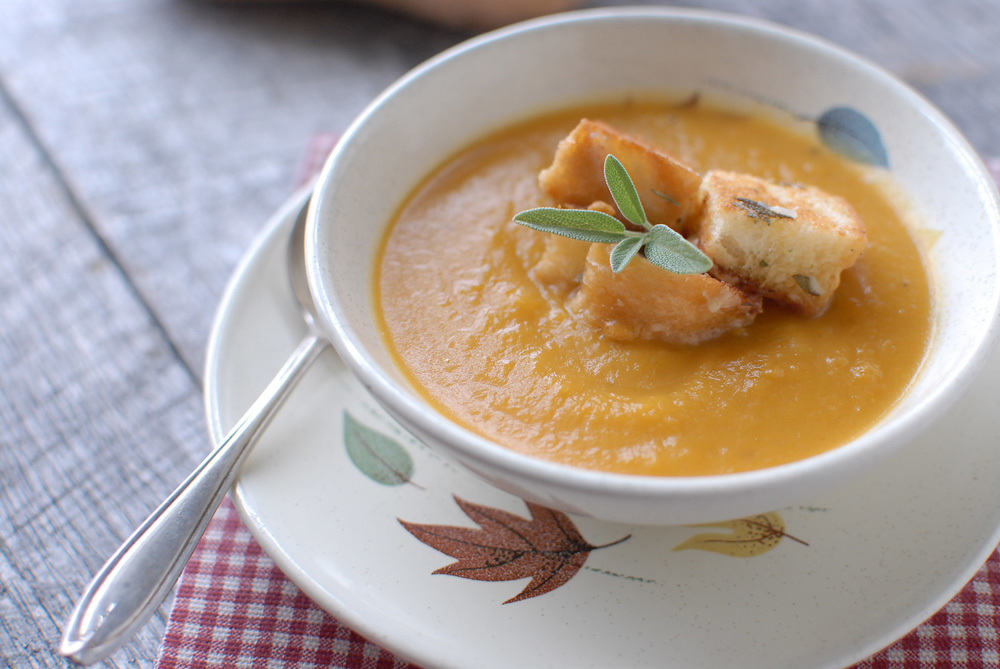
[576, 175]
[646, 302]
[562, 262]
[789, 242]
[603, 207]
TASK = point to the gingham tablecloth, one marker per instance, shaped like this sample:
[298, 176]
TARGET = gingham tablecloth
[235, 608]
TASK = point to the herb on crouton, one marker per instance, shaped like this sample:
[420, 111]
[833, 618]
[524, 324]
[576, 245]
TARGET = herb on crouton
[805, 255]
[661, 245]
[808, 284]
[760, 210]
[575, 177]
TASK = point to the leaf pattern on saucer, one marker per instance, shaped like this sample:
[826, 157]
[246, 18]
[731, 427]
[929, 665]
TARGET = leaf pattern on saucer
[547, 547]
[377, 456]
[747, 537]
[853, 135]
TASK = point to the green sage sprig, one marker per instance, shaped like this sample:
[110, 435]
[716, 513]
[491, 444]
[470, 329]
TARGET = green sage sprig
[661, 245]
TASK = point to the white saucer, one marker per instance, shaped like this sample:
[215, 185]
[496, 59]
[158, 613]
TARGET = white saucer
[883, 553]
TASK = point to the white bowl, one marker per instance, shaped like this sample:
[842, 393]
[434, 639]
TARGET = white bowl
[602, 55]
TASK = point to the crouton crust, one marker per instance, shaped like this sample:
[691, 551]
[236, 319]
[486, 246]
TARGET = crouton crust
[796, 261]
[562, 263]
[646, 302]
[576, 176]
[563, 259]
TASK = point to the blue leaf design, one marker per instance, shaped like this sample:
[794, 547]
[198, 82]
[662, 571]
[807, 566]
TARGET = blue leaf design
[379, 457]
[852, 134]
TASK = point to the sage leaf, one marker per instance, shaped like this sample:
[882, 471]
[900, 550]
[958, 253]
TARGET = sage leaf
[377, 456]
[623, 191]
[755, 209]
[663, 247]
[808, 284]
[582, 224]
[665, 197]
[624, 252]
[668, 250]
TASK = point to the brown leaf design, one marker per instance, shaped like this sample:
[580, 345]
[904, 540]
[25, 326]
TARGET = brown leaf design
[546, 547]
[747, 537]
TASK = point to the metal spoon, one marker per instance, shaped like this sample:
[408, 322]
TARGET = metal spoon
[133, 582]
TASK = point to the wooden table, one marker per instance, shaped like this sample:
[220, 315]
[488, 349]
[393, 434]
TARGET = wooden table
[142, 145]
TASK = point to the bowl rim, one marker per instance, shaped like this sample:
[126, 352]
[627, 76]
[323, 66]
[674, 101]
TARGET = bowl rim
[874, 443]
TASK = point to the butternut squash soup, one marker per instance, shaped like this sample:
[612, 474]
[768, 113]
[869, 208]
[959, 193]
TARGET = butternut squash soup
[532, 341]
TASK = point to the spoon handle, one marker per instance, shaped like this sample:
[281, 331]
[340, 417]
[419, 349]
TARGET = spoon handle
[133, 582]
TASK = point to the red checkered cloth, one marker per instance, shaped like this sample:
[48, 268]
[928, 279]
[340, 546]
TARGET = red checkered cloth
[234, 607]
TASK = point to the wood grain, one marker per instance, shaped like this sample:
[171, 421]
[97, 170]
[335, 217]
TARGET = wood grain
[142, 145]
[181, 124]
[98, 418]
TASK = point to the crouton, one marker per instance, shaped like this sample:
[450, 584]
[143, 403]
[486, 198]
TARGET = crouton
[646, 302]
[603, 207]
[576, 175]
[788, 242]
[562, 262]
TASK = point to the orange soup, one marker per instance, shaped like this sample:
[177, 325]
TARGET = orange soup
[502, 355]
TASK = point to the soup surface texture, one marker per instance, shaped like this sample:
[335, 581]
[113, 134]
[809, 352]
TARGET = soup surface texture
[501, 355]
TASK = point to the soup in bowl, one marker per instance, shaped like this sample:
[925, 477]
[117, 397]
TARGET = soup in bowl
[540, 368]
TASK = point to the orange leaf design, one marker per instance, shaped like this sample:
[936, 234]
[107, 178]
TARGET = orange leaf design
[747, 537]
[546, 547]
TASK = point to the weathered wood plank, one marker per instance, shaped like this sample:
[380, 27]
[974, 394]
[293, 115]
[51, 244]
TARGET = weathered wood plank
[181, 124]
[98, 417]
